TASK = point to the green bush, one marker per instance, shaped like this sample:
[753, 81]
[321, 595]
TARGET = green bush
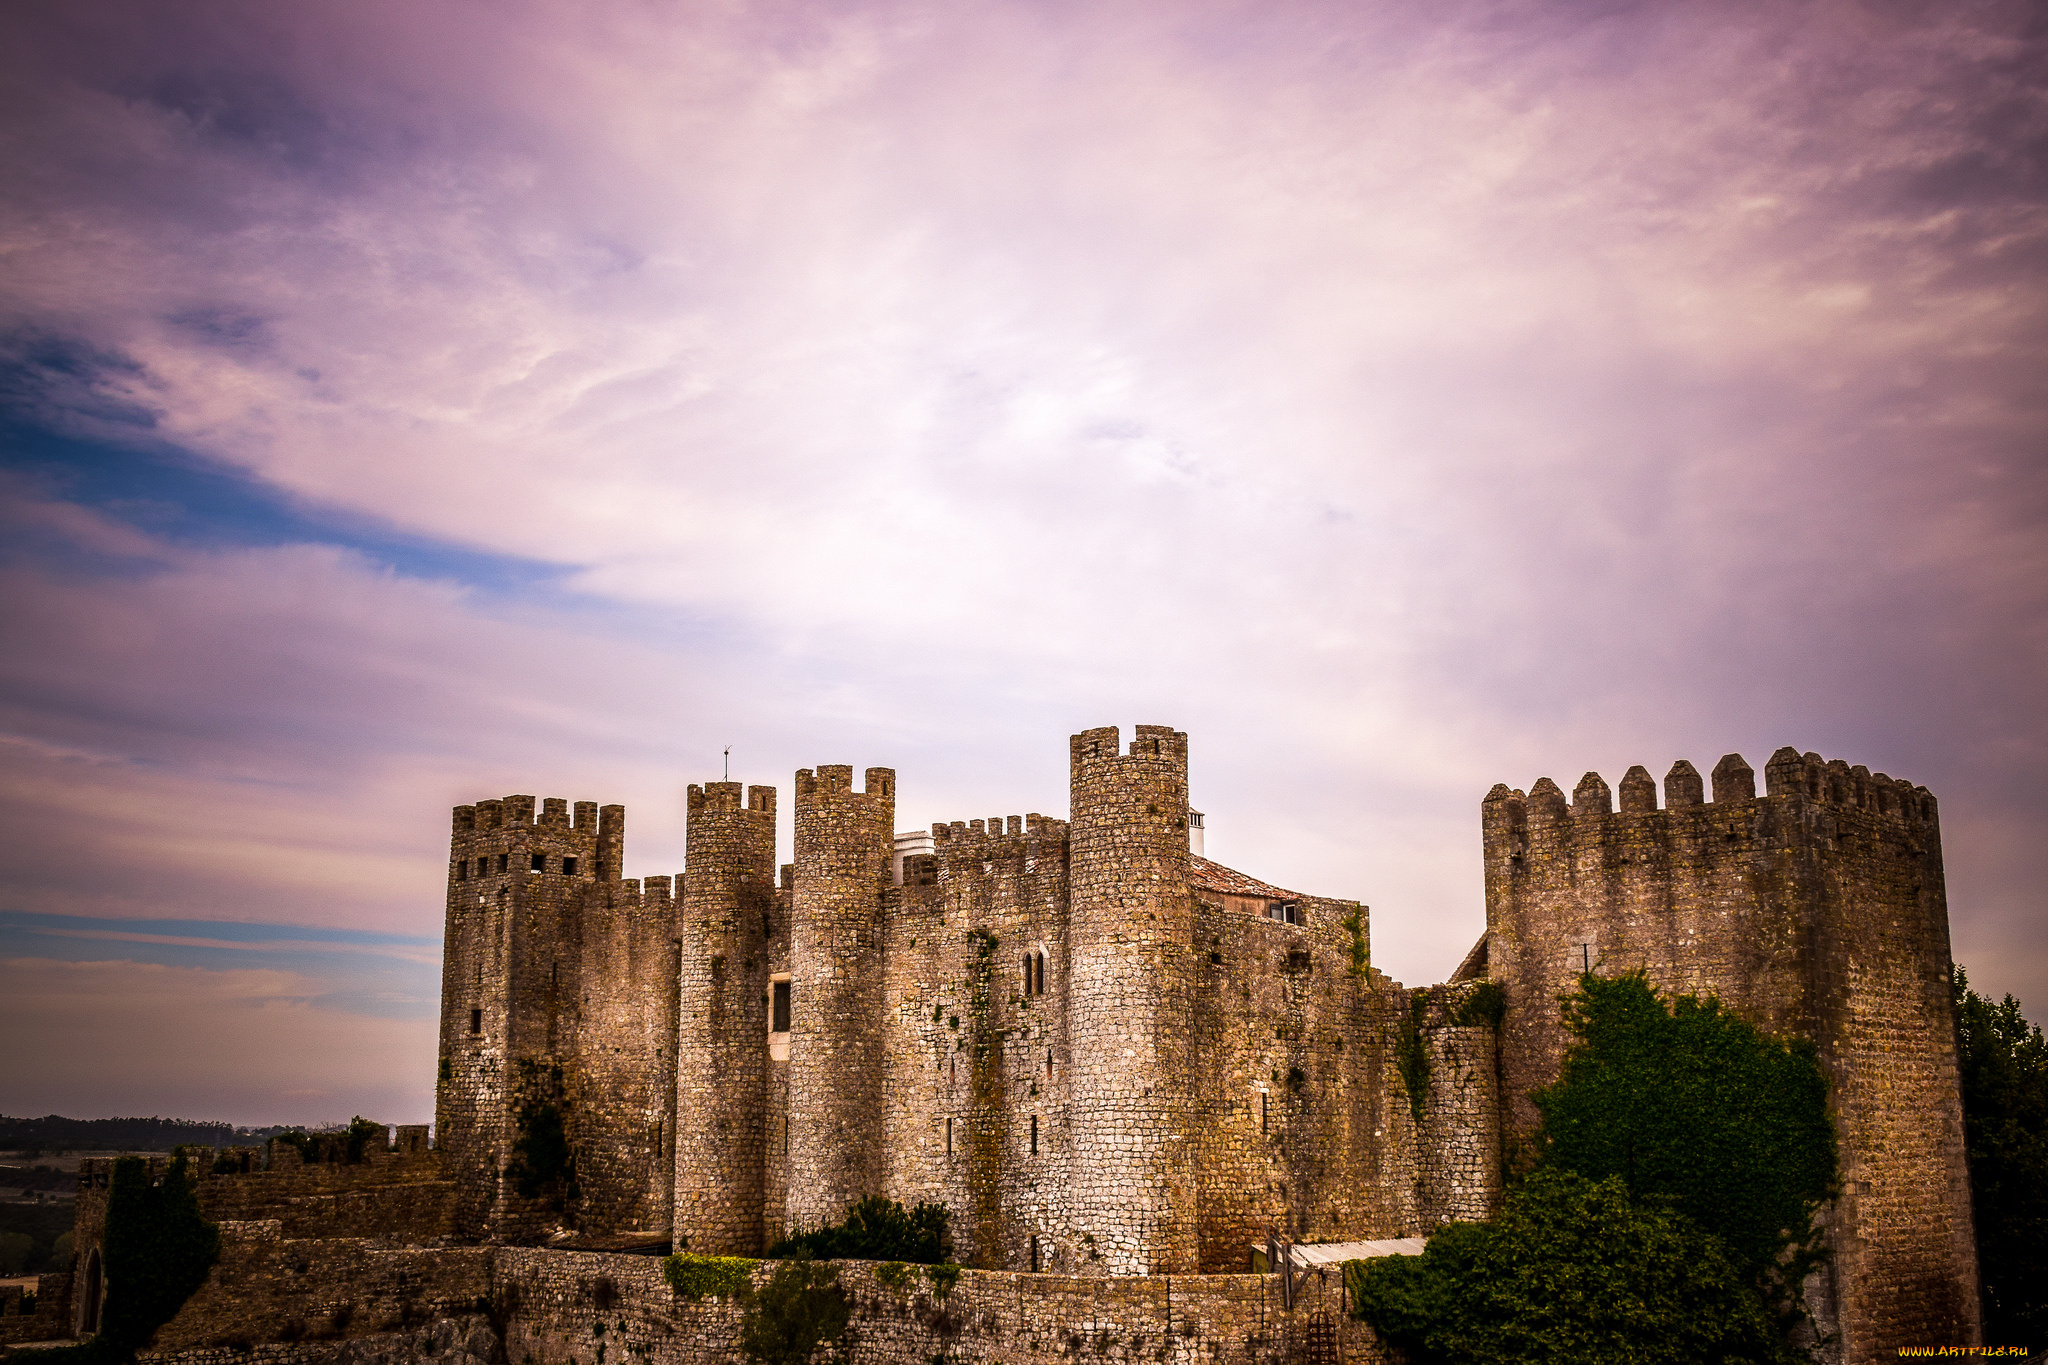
[701, 1277]
[801, 1308]
[1571, 1271]
[2003, 1062]
[877, 1229]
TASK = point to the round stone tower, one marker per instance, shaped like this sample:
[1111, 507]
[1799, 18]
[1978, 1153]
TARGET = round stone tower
[1129, 1012]
[722, 1025]
[844, 840]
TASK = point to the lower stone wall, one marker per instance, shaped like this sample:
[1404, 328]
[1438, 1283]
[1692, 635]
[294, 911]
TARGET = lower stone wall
[275, 1301]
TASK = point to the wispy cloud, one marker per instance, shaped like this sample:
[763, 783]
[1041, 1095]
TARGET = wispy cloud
[410, 403]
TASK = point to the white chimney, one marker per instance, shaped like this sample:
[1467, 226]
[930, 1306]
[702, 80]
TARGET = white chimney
[1195, 841]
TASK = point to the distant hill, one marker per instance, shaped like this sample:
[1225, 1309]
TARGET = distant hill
[54, 1133]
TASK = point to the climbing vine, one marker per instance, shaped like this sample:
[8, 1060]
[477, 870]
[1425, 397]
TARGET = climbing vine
[1411, 1057]
[1361, 955]
[157, 1250]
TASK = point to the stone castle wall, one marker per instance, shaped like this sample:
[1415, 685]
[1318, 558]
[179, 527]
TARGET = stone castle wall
[1816, 911]
[351, 1302]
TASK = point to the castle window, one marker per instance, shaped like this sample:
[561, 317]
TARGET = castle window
[568, 867]
[476, 1021]
[1262, 1111]
[1034, 1135]
[778, 1021]
[1034, 1253]
[540, 862]
[949, 1137]
[462, 870]
[501, 861]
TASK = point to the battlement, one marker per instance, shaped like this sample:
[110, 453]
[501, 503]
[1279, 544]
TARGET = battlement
[1158, 743]
[514, 812]
[1025, 828]
[1544, 814]
[828, 779]
[641, 892]
[714, 797]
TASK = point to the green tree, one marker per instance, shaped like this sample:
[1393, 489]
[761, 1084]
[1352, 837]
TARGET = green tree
[802, 1307]
[1572, 1270]
[14, 1251]
[2003, 1061]
[1688, 1104]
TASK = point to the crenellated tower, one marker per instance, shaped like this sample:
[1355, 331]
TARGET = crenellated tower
[509, 981]
[844, 839]
[722, 1031]
[1133, 1185]
[1815, 911]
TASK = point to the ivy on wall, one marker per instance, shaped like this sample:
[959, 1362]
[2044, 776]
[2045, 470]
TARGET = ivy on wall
[157, 1250]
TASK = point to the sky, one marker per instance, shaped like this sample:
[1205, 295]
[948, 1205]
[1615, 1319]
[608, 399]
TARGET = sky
[403, 405]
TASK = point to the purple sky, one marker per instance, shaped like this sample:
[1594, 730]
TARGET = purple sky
[407, 404]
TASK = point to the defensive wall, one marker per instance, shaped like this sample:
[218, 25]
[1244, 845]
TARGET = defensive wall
[276, 1299]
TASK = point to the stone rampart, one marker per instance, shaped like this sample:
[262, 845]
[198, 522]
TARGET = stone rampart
[345, 1302]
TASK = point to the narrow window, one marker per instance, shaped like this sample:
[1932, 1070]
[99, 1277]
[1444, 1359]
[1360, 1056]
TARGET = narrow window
[554, 974]
[1034, 1253]
[462, 870]
[501, 861]
[568, 867]
[1034, 1135]
[540, 862]
[1262, 1111]
[1041, 973]
[1048, 1063]
[476, 1021]
[779, 1022]
[1027, 974]
[949, 1137]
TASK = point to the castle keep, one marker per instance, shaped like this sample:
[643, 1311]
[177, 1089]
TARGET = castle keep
[1109, 1056]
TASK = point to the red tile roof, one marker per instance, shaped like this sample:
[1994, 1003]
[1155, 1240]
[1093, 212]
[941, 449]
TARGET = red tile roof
[1230, 882]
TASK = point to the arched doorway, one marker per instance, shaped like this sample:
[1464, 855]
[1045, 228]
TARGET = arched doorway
[89, 1295]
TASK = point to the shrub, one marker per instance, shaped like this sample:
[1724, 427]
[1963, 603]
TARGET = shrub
[801, 1308]
[1572, 1270]
[700, 1277]
[877, 1229]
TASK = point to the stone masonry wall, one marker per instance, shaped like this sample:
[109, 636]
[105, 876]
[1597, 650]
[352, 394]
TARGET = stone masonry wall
[1302, 1122]
[722, 1044]
[1816, 911]
[350, 1303]
[620, 1068]
[976, 1056]
[843, 842]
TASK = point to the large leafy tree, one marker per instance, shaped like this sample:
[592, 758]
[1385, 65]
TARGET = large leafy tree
[1687, 1103]
[2004, 1064]
[1682, 1158]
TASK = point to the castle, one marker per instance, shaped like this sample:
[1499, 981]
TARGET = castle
[1120, 1066]
[1109, 1056]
